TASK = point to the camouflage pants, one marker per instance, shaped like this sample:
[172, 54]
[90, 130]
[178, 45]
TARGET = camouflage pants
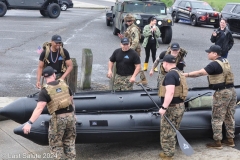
[62, 142]
[121, 83]
[167, 133]
[223, 110]
[160, 79]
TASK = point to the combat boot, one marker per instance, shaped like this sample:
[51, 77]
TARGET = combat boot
[145, 66]
[165, 157]
[228, 142]
[215, 144]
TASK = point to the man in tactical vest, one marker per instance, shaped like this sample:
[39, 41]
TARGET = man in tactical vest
[62, 130]
[221, 80]
[175, 50]
[57, 57]
[134, 35]
[173, 90]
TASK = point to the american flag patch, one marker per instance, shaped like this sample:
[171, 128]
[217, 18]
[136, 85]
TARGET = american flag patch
[39, 50]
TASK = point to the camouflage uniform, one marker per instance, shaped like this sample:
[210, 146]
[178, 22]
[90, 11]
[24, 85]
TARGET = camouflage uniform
[121, 83]
[167, 133]
[224, 102]
[63, 142]
[174, 112]
[134, 36]
[162, 73]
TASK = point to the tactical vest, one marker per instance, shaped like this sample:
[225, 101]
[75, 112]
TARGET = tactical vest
[180, 91]
[225, 77]
[47, 48]
[60, 97]
[182, 53]
[128, 34]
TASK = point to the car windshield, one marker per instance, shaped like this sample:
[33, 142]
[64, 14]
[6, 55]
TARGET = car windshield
[145, 8]
[201, 5]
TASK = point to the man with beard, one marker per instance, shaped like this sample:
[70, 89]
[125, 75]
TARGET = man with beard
[57, 57]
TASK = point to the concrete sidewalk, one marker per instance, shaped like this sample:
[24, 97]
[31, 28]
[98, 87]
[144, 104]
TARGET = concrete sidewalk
[77, 4]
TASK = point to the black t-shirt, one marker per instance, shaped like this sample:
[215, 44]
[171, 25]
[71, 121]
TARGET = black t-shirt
[151, 38]
[125, 61]
[55, 59]
[214, 68]
[172, 78]
[44, 97]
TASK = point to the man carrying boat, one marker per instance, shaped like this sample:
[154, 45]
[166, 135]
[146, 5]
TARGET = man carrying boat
[173, 90]
[128, 65]
[62, 130]
[220, 78]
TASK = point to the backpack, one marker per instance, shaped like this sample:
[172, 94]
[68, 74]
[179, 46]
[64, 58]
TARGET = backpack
[46, 47]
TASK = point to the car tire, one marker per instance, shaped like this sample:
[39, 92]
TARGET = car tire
[124, 28]
[3, 9]
[44, 13]
[174, 17]
[54, 10]
[115, 30]
[64, 7]
[194, 20]
[107, 22]
[166, 34]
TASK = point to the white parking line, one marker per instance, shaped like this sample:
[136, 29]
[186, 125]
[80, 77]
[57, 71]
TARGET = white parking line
[16, 31]
[8, 38]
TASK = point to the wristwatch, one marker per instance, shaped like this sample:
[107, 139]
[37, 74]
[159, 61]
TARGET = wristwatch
[163, 108]
[29, 122]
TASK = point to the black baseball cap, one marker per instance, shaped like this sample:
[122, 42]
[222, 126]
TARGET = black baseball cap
[169, 58]
[125, 40]
[56, 38]
[175, 46]
[48, 71]
[215, 48]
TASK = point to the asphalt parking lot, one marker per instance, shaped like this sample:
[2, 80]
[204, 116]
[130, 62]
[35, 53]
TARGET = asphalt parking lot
[23, 31]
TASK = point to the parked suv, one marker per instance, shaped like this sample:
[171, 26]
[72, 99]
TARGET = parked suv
[197, 12]
[47, 8]
[142, 11]
[231, 12]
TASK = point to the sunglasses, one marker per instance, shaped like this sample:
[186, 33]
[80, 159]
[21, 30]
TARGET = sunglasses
[58, 42]
[129, 21]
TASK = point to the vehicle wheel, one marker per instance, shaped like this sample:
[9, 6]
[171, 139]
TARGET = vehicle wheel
[216, 25]
[54, 10]
[166, 34]
[115, 30]
[3, 9]
[64, 7]
[107, 22]
[174, 17]
[44, 13]
[123, 29]
[194, 21]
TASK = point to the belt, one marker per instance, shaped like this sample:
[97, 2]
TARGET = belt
[225, 87]
[176, 105]
[64, 114]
